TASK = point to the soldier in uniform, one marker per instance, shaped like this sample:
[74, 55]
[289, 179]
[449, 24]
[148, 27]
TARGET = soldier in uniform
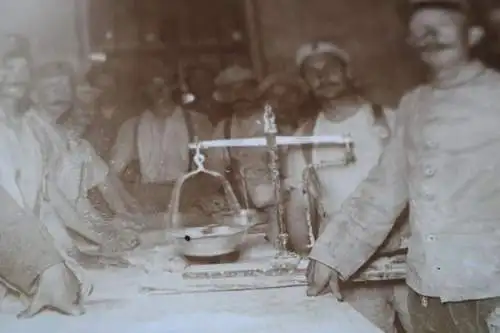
[325, 68]
[443, 159]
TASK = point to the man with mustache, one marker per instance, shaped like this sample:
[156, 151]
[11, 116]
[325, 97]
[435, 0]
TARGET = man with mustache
[30, 261]
[443, 159]
[56, 100]
[325, 67]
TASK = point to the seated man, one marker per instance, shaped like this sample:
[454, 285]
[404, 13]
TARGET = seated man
[30, 262]
[82, 171]
[55, 99]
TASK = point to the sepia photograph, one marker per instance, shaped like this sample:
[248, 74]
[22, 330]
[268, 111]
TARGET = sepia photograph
[250, 166]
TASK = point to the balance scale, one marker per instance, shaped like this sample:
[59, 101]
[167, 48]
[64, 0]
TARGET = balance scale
[267, 266]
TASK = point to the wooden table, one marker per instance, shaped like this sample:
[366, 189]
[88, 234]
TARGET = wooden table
[147, 298]
[117, 307]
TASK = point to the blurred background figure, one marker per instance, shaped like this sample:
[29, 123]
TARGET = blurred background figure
[105, 111]
[287, 94]
[246, 168]
[200, 82]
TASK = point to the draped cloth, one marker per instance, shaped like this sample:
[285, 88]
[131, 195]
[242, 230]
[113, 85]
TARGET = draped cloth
[26, 247]
[42, 144]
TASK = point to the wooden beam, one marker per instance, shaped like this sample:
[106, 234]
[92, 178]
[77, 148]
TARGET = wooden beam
[252, 17]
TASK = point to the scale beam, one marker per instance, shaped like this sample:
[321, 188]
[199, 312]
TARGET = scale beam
[280, 141]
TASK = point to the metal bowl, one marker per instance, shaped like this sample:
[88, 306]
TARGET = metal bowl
[246, 218]
[209, 241]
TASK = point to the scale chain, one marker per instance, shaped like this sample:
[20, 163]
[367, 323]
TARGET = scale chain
[274, 166]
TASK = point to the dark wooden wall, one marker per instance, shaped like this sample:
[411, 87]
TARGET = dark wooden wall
[372, 31]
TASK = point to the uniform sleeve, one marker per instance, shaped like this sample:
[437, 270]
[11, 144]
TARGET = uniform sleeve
[124, 150]
[365, 220]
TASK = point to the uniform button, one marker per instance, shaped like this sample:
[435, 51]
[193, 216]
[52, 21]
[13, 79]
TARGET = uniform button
[431, 144]
[428, 195]
[429, 171]
[431, 238]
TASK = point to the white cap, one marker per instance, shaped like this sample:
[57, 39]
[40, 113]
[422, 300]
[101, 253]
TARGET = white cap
[310, 49]
[233, 74]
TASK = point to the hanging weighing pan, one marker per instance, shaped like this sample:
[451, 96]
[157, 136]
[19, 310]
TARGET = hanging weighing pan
[216, 236]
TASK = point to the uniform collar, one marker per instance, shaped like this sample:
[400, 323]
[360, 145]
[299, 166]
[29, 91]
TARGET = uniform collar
[467, 73]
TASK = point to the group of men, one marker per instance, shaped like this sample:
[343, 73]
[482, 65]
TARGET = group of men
[72, 177]
[434, 157]
[441, 163]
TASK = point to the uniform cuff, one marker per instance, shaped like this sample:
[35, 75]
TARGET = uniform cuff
[323, 255]
[353, 257]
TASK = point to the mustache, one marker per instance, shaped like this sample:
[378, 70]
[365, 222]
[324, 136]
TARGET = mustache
[433, 47]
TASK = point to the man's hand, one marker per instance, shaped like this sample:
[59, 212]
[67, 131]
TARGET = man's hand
[321, 279]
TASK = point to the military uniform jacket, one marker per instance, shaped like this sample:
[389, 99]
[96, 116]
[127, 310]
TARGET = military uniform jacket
[445, 160]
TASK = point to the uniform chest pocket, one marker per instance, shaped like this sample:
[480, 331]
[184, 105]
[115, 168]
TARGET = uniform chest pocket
[458, 133]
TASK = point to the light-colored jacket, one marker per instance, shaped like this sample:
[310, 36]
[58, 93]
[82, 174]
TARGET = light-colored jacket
[160, 145]
[444, 160]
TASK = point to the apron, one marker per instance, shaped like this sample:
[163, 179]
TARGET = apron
[313, 193]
